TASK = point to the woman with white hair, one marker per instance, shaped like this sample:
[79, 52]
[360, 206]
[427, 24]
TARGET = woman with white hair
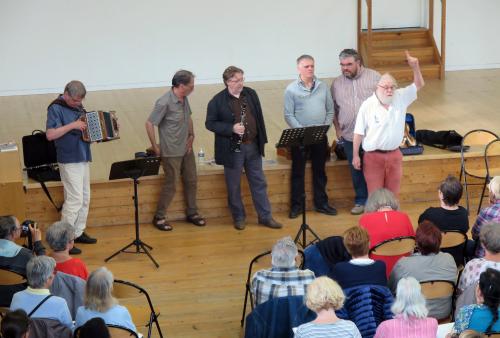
[324, 296]
[410, 320]
[99, 302]
[36, 300]
[489, 214]
[61, 239]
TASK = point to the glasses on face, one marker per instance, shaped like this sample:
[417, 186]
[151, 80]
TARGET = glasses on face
[387, 88]
[240, 80]
[345, 65]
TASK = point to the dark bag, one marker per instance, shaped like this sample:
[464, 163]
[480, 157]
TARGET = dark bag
[409, 144]
[40, 160]
[443, 139]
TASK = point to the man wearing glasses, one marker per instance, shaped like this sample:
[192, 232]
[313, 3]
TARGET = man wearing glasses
[349, 91]
[235, 116]
[380, 128]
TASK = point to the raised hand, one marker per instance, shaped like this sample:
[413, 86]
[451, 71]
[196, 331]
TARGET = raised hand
[412, 61]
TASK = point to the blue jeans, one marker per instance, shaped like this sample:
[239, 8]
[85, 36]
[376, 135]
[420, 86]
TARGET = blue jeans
[250, 159]
[358, 179]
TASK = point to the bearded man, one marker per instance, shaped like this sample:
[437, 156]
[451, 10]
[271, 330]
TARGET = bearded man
[380, 128]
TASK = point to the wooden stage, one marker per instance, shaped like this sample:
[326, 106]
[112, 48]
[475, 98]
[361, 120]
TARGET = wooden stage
[199, 286]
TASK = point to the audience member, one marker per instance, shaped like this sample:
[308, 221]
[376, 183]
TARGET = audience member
[284, 278]
[383, 221]
[36, 300]
[15, 324]
[410, 314]
[361, 269]
[60, 237]
[99, 302]
[94, 328]
[324, 296]
[428, 264]
[489, 214]
[14, 257]
[490, 240]
[482, 317]
[449, 216]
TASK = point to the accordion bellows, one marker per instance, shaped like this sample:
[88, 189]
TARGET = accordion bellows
[102, 126]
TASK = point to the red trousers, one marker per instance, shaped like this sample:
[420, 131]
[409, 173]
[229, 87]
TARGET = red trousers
[383, 170]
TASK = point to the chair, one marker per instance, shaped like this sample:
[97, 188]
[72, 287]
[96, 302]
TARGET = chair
[436, 289]
[477, 139]
[493, 334]
[116, 331]
[394, 246]
[454, 238]
[10, 280]
[142, 315]
[264, 262]
[492, 167]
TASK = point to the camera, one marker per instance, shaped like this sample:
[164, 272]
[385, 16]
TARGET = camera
[25, 232]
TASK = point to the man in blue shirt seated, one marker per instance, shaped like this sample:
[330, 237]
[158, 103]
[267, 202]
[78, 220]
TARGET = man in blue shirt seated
[65, 128]
[284, 278]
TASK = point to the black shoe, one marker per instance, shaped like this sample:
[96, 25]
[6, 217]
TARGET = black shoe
[85, 239]
[271, 223]
[327, 210]
[239, 224]
[295, 212]
[75, 251]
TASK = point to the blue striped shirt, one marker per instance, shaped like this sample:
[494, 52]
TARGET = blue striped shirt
[341, 329]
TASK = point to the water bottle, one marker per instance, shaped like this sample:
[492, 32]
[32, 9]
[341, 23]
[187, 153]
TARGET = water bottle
[201, 156]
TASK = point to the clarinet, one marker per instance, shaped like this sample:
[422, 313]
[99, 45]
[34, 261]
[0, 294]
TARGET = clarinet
[239, 140]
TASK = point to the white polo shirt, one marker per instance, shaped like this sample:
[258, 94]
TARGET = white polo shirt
[383, 129]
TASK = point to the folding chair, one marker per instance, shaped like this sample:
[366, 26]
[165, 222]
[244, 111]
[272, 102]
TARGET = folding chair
[492, 167]
[454, 238]
[477, 139]
[9, 278]
[493, 335]
[142, 315]
[263, 264]
[395, 246]
[121, 332]
[439, 289]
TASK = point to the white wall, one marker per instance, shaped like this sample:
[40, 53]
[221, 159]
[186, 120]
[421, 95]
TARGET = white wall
[111, 44]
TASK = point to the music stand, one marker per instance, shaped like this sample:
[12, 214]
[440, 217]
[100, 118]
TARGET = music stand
[303, 137]
[134, 169]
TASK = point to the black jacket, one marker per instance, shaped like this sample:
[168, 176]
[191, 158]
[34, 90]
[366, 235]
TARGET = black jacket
[220, 120]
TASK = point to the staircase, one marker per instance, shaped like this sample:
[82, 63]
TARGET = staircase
[384, 51]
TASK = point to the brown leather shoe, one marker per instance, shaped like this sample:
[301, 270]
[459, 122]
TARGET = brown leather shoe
[271, 223]
[239, 224]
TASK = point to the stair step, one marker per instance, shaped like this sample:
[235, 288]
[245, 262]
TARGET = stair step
[397, 34]
[403, 73]
[393, 56]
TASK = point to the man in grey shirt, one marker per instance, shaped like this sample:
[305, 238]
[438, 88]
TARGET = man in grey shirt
[308, 102]
[349, 90]
[172, 116]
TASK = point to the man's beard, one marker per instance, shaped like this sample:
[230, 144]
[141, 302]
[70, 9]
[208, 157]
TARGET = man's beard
[385, 99]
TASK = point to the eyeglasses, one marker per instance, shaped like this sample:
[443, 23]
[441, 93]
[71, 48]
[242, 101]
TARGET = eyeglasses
[393, 87]
[241, 80]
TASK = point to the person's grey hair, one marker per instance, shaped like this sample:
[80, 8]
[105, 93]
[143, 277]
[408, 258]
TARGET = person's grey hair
[59, 235]
[409, 299]
[346, 53]
[182, 77]
[75, 89]
[381, 198]
[38, 271]
[98, 291]
[494, 186]
[490, 237]
[284, 253]
[304, 57]
[7, 226]
[388, 76]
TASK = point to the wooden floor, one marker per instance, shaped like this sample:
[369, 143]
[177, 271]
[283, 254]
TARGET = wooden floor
[199, 286]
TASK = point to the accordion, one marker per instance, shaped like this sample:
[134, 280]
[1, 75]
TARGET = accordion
[102, 126]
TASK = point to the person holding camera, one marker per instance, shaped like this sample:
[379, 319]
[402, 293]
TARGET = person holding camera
[14, 257]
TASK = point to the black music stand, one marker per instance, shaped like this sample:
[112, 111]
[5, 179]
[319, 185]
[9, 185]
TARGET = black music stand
[303, 137]
[134, 169]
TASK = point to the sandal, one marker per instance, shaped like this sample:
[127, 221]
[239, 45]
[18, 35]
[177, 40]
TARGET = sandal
[161, 224]
[196, 220]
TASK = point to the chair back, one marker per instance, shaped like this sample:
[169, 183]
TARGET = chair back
[493, 334]
[452, 238]
[437, 289]
[478, 137]
[395, 246]
[491, 154]
[8, 277]
[116, 331]
[139, 304]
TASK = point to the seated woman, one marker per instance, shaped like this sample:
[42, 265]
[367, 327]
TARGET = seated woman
[99, 302]
[60, 237]
[14, 257]
[426, 265]
[482, 317]
[324, 296]
[36, 300]
[449, 215]
[15, 324]
[410, 314]
[361, 269]
[489, 214]
[383, 221]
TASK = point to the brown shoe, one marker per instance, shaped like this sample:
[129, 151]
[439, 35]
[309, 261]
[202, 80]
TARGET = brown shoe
[240, 224]
[271, 223]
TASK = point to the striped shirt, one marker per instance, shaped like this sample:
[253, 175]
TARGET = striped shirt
[407, 328]
[348, 95]
[341, 329]
[280, 282]
[486, 215]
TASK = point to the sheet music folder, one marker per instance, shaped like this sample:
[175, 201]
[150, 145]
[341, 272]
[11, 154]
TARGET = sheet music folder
[302, 136]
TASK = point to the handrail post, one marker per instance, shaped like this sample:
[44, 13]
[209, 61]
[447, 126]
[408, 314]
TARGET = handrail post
[431, 17]
[359, 26]
[443, 37]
